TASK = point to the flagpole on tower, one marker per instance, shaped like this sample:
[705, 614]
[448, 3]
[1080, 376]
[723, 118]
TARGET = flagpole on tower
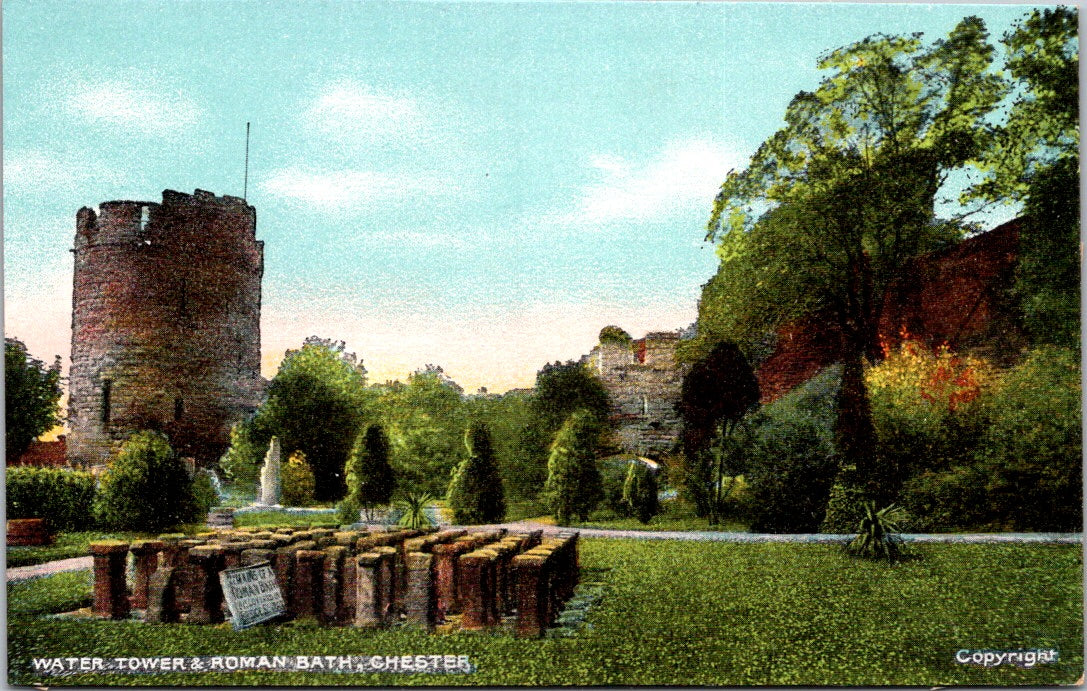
[245, 185]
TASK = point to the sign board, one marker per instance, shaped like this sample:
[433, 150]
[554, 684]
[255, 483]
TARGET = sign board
[252, 594]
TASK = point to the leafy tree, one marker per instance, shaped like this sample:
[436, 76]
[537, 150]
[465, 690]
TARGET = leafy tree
[146, 488]
[424, 420]
[242, 461]
[31, 397]
[573, 487]
[715, 395]
[509, 418]
[562, 388]
[475, 487]
[317, 404]
[370, 478]
[640, 491]
[832, 208]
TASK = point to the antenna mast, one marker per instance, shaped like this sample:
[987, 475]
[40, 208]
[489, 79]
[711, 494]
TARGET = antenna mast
[245, 185]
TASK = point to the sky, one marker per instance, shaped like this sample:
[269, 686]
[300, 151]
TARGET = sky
[479, 186]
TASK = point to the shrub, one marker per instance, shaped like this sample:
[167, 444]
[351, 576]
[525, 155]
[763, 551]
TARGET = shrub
[475, 488]
[613, 474]
[414, 507]
[64, 497]
[876, 537]
[574, 487]
[146, 488]
[204, 494]
[791, 461]
[640, 491]
[347, 511]
[243, 458]
[297, 481]
[370, 479]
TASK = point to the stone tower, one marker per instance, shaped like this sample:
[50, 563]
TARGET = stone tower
[165, 323]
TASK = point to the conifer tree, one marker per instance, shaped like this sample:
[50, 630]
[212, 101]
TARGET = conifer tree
[640, 491]
[370, 478]
[574, 486]
[475, 488]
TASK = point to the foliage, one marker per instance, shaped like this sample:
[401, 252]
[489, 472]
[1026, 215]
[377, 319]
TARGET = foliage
[297, 481]
[792, 462]
[31, 397]
[616, 335]
[66, 545]
[794, 626]
[845, 505]
[65, 498]
[316, 403]
[1047, 274]
[613, 475]
[562, 389]
[146, 488]
[519, 456]
[242, 461]
[1024, 472]
[204, 494]
[1042, 126]
[876, 537]
[475, 490]
[640, 491]
[424, 420]
[833, 208]
[715, 394]
[927, 408]
[573, 487]
[414, 506]
[370, 478]
[314, 518]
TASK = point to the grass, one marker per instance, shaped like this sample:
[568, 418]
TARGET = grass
[675, 514]
[676, 613]
[62, 592]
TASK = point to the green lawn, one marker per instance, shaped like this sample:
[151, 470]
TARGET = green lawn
[675, 613]
[281, 518]
[675, 514]
[67, 545]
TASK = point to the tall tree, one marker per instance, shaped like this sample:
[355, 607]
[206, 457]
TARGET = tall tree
[316, 403]
[31, 397]
[715, 394]
[574, 487]
[370, 478]
[475, 488]
[834, 206]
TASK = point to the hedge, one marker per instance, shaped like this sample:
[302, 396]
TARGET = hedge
[65, 498]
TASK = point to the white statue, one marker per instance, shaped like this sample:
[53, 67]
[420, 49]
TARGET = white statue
[269, 476]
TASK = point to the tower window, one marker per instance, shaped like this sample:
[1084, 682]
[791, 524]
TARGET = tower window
[107, 390]
[145, 218]
[179, 408]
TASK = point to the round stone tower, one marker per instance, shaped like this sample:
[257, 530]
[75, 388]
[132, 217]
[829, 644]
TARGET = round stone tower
[165, 324]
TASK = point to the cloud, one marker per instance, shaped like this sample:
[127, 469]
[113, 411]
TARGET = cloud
[683, 176]
[119, 104]
[35, 171]
[343, 189]
[349, 110]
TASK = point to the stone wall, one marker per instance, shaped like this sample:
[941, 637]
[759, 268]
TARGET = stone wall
[165, 323]
[643, 381]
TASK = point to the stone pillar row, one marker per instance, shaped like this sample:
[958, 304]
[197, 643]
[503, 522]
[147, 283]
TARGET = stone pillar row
[360, 578]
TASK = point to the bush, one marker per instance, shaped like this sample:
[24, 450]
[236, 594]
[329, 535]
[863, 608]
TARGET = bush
[640, 492]
[613, 474]
[204, 494]
[370, 479]
[243, 459]
[475, 489]
[876, 537]
[297, 481]
[64, 497]
[792, 463]
[574, 487]
[146, 488]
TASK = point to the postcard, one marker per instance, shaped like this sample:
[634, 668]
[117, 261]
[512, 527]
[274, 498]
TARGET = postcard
[542, 343]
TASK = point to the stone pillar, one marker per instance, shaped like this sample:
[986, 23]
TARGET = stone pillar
[419, 595]
[207, 593]
[446, 568]
[162, 606]
[332, 585]
[531, 598]
[232, 553]
[307, 587]
[348, 587]
[146, 553]
[389, 579]
[110, 588]
[476, 589]
[369, 608]
[256, 556]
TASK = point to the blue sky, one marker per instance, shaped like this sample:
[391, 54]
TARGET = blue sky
[481, 186]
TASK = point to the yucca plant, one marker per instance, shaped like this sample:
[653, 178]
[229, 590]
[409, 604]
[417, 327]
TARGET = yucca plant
[414, 507]
[876, 537]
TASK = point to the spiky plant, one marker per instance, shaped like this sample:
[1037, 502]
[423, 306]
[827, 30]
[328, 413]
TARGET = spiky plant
[877, 534]
[414, 507]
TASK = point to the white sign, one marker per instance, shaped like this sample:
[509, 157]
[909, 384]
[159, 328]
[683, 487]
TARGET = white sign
[252, 594]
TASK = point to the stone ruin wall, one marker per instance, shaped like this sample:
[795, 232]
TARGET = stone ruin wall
[165, 323]
[643, 381]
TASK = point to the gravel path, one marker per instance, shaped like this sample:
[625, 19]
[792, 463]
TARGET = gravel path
[23, 573]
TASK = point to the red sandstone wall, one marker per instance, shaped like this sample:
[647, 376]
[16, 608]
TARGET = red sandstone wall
[957, 297]
[166, 307]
